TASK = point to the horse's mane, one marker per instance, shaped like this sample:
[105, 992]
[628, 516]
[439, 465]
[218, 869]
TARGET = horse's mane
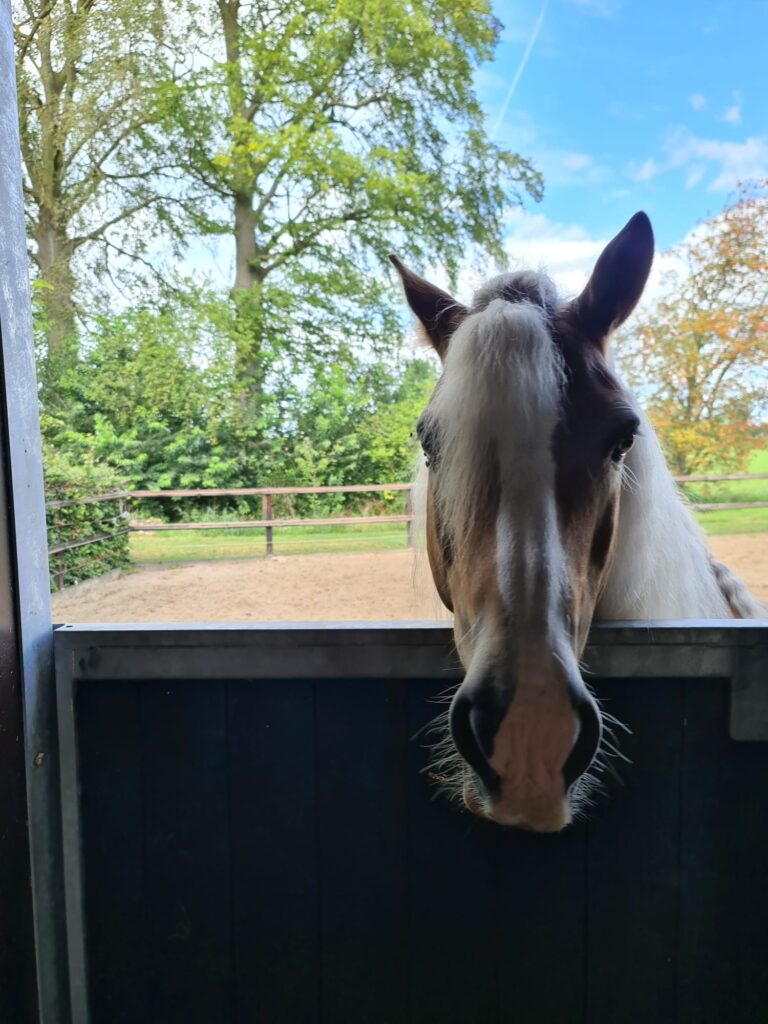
[662, 568]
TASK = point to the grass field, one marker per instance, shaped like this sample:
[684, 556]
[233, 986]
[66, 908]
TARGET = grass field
[203, 545]
[752, 520]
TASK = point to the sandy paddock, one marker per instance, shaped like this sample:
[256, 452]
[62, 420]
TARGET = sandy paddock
[370, 585]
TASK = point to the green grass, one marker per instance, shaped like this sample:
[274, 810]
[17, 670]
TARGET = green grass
[204, 545]
[747, 520]
[735, 490]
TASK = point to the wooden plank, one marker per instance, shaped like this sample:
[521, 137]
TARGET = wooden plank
[724, 505]
[487, 942]
[633, 862]
[542, 910]
[266, 515]
[720, 477]
[361, 799]
[453, 934]
[244, 491]
[88, 499]
[71, 545]
[186, 852]
[107, 716]
[724, 907]
[275, 880]
[137, 525]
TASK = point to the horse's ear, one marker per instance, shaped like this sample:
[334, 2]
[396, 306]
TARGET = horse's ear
[617, 281]
[438, 313]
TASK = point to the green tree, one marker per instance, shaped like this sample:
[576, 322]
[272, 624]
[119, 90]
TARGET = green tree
[90, 76]
[139, 400]
[329, 131]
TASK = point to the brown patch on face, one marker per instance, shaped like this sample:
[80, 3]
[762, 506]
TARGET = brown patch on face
[438, 550]
[595, 417]
[460, 564]
[602, 541]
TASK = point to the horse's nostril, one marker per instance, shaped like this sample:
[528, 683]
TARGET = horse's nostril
[472, 730]
[588, 740]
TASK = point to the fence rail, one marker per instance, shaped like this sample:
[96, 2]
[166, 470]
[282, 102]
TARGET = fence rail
[233, 492]
[269, 523]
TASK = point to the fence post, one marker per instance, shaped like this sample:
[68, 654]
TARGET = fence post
[266, 513]
[58, 576]
[58, 561]
[409, 512]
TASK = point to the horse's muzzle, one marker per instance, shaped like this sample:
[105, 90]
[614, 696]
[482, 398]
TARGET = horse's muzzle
[526, 746]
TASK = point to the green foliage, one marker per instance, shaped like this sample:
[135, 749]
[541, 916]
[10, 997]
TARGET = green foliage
[154, 398]
[325, 133]
[699, 356]
[91, 76]
[65, 482]
[317, 136]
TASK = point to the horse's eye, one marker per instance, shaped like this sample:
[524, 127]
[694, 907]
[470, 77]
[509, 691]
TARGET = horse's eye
[426, 440]
[622, 447]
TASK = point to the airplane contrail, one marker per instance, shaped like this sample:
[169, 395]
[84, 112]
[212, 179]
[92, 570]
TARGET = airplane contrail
[520, 69]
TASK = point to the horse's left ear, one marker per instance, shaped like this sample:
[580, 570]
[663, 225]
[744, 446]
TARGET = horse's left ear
[617, 281]
[438, 312]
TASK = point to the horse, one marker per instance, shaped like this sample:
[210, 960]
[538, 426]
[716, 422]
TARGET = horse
[548, 504]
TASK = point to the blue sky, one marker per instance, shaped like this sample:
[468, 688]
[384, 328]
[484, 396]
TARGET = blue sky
[623, 105]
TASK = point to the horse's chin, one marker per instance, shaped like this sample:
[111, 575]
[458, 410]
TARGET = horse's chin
[551, 815]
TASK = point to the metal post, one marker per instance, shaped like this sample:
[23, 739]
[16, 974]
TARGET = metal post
[33, 954]
[266, 513]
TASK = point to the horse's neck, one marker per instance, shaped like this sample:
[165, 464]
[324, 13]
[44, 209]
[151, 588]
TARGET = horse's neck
[662, 568]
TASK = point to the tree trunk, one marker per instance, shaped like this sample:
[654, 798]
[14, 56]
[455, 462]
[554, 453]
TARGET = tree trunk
[246, 274]
[246, 295]
[54, 259]
[246, 290]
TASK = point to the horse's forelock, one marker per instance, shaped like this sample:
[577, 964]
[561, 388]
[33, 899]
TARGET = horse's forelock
[492, 417]
[520, 286]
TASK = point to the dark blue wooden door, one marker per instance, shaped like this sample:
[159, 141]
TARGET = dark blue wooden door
[272, 852]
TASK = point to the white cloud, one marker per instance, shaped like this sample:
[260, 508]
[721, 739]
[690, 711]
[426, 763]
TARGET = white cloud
[576, 161]
[643, 172]
[566, 167]
[695, 173]
[532, 241]
[732, 115]
[725, 163]
[568, 254]
[731, 162]
[565, 251]
[599, 8]
[698, 100]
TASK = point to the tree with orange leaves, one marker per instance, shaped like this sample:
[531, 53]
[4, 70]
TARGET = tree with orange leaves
[699, 358]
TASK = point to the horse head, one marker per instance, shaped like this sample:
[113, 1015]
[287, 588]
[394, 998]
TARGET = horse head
[525, 437]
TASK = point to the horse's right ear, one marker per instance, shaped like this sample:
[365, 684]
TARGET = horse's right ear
[438, 313]
[618, 280]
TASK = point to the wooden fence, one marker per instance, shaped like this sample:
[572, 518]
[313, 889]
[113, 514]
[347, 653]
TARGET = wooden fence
[117, 525]
[268, 523]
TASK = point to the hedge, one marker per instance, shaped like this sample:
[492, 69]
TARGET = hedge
[68, 523]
